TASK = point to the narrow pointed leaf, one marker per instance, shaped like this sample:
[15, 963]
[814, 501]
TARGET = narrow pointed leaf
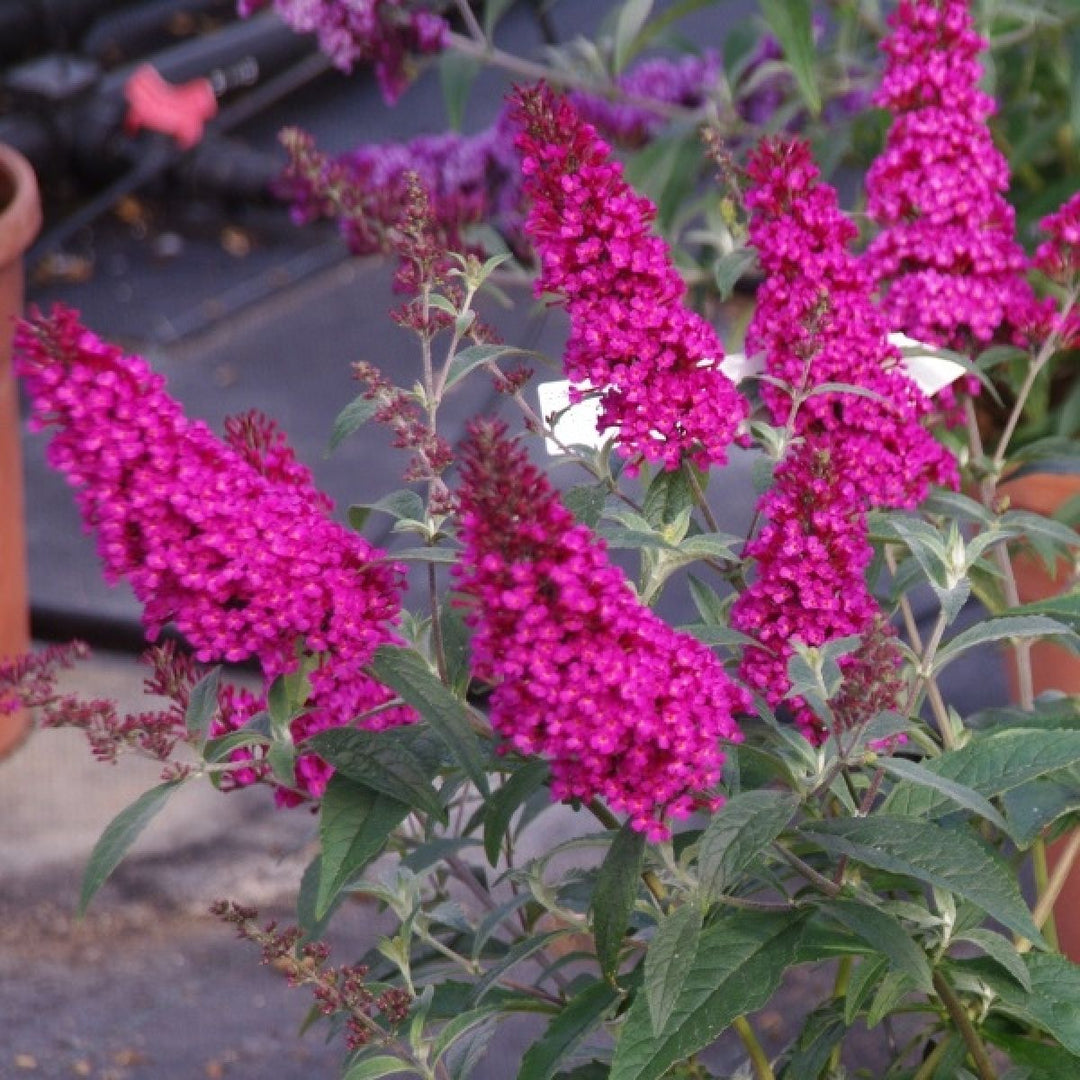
[119, 835]
[202, 705]
[409, 674]
[354, 824]
[578, 1017]
[667, 961]
[886, 935]
[1022, 627]
[951, 859]
[506, 800]
[1052, 1001]
[1002, 950]
[737, 968]
[373, 1068]
[384, 765]
[917, 773]
[746, 824]
[989, 765]
[791, 22]
[357, 413]
[613, 899]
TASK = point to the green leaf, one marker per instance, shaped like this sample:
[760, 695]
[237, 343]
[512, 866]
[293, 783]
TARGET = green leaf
[990, 765]
[515, 955]
[710, 607]
[628, 24]
[791, 22]
[425, 554]
[736, 969]
[1001, 950]
[864, 979]
[578, 1017]
[885, 934]
[917, 773]
[455, 640]
[670, 493]
[1041, 1061]
[202, 705]
[382, 764]
[951, 859]
[666, 962]
[403, 505]
[613, 899]
[729, 269]
[459, 1025]
[457, 73]
[1031, 807]
[406, 672]
[357, 413]
[586, 502]
[1065, 607]
[656, 26]
[504, 802]
[307, 899]
[824, 1029]
[373, 1067]
[468, 360]
[119, 835]
[1052, 1002]
[1011, 626]
[737, 833]
[354, 824]
[894, 987]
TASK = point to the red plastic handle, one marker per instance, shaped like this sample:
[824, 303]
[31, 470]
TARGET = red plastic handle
[157, 105]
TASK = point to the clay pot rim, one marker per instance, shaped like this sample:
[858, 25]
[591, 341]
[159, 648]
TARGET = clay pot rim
[20, 219]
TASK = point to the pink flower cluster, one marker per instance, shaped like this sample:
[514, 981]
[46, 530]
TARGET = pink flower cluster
[654, 362]
[947, 261]
[1058, 257]
[379, 32]
[230, 541]
[815, 323]
[623, 706]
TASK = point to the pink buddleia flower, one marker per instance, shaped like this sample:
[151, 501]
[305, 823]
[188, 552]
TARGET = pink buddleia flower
[654, 362]
[1058, 257]
[378, 32]
[228, 541]
[584, 675]
[946, 259]
[815, 322]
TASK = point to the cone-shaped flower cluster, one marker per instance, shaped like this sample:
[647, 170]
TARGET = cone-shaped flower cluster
[623, 706]
[1058, 257]
[815, 323]
[950, 269]
[379, 32]
[227, 540]
[654, 362]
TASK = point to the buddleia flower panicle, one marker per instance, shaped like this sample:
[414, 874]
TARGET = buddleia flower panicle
[383, 33]
[654, 363]
[950, 270]
[230, 541]
[815, 323]
[584, 675]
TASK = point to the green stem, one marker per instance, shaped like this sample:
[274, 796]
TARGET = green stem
[758, 1058]
[979, 1057]
[929, 1066]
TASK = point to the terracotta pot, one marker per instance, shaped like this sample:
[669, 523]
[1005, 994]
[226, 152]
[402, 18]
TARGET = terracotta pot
[1052, 667]
[20, 220]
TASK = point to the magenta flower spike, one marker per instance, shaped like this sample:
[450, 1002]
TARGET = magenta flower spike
[946, 259]
[816, 323]
[623, 707]
[654, 363]
[229, 541]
